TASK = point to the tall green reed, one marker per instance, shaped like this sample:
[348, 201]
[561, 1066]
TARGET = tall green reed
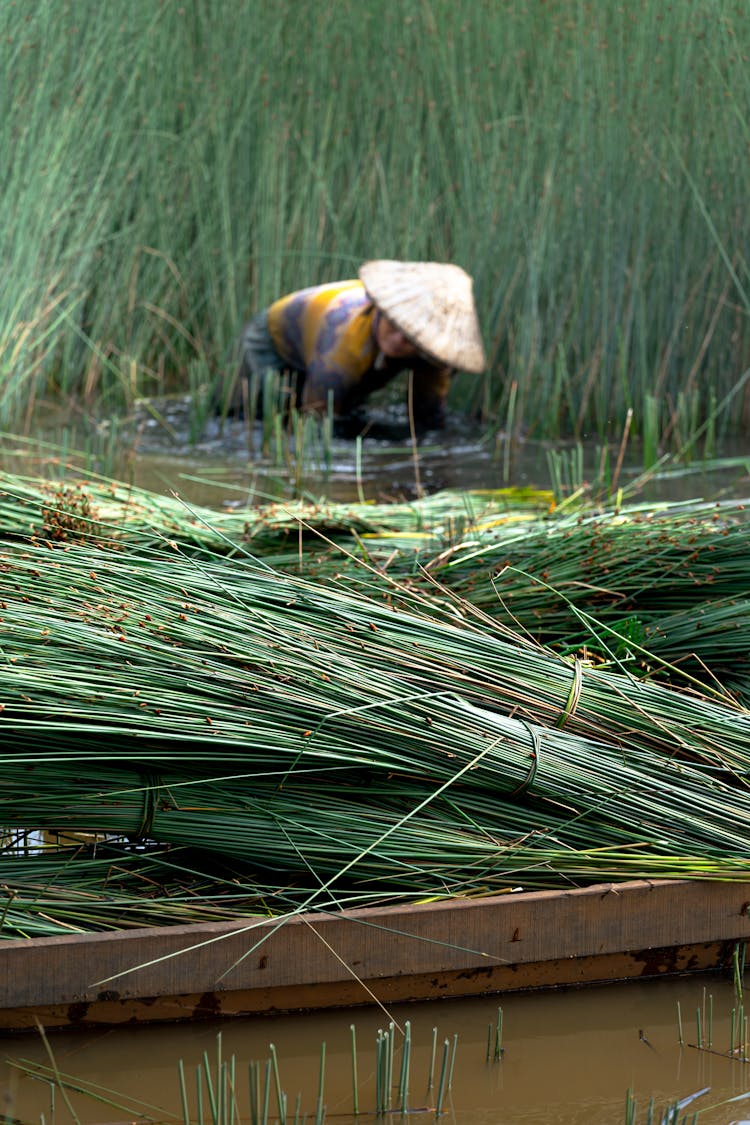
[174, 168]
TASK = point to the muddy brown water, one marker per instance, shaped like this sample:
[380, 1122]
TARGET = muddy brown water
[227, 463]
[229, 467]
[569, 1057]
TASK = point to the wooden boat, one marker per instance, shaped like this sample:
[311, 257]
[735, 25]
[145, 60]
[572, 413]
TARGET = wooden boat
[453, 948]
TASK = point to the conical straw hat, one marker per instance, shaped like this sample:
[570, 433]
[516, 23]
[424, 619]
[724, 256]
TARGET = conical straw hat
[433, 304]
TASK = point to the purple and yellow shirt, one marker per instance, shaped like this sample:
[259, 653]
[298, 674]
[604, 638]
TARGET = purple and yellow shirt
[327, 333]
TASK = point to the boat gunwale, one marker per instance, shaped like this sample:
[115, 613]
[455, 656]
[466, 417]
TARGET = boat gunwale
[462, 946]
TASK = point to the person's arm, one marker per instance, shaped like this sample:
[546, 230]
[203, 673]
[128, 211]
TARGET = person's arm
[430, 396]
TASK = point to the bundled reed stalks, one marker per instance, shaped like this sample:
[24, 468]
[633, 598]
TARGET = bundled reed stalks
[246, 636]
[607, 584]
[369, 832]
[603, 582]
[329, 737]
[76, 889]
[647, 561]
[385, 734]
[106, 511]
[663, 590]
[710, 642]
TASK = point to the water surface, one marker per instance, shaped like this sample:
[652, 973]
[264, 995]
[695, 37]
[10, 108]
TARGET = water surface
[569, 1057]
[220, 463]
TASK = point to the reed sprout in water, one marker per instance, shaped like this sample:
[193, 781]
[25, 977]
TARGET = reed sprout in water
[215, 1093]
[737, 1047]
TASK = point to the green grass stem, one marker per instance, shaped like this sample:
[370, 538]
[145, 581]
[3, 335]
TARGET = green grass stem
[580, 143]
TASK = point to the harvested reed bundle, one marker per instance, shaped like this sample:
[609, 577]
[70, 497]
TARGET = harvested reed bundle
[331, 735]
[101, 511]
[636, 562]
[600, 583]
[280, 660]
[652, 590]
[401, 835]
[565, 777]
[710, 641]
[109, 887]
[229, 655]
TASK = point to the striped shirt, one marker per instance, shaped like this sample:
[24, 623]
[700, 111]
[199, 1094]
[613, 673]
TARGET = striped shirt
[327, 333]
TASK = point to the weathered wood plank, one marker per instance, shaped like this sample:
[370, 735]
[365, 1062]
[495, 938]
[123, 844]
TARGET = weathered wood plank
[453, 947]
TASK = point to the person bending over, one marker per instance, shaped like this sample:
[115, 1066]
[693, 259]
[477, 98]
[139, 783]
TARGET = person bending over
[344, 340]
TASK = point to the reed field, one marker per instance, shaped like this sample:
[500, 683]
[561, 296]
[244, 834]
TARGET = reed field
[171, 167]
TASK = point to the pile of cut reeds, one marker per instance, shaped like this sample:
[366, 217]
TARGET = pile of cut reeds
[175, 616]
[99, 510]
[662, 590]
[353, 745]
[51, 890]
[647, 560]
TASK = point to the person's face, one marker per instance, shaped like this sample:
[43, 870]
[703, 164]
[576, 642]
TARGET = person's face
[391, 340]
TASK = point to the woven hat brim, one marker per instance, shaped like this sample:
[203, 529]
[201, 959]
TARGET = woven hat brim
[433, 304]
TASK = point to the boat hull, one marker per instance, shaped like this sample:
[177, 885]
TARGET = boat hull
[453, 948]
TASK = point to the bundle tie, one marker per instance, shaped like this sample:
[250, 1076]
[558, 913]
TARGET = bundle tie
[536, 755]
[573, 696]
[152, 785]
